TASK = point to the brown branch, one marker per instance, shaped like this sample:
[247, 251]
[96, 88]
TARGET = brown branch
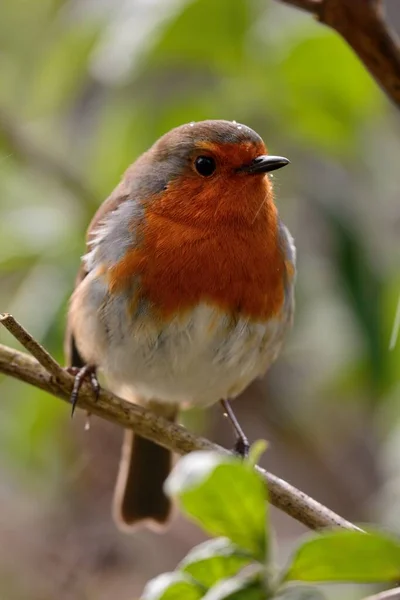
[393, 594]
[362, 24]
[58, 382]
[27, 341]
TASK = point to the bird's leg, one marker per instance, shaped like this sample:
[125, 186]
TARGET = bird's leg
[242, 444]
[82, 373]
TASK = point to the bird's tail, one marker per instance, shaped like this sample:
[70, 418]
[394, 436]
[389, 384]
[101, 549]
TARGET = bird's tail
[144, 466]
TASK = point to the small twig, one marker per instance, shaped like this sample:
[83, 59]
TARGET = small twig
[387, 595]
[361, 23]
[27, 341]
[174, 437]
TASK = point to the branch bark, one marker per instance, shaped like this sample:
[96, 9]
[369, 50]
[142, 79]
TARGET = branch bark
[393, 594]
[362, 24]
[49, 376]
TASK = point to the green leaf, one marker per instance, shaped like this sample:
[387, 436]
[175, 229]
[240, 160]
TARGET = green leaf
[214, 560]
[172, 586]
[256, 451]
[224, 496]
[250, 587]
[347, 556]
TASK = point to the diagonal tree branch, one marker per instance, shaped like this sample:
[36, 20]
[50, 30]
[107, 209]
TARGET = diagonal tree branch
[393, 594]
[362, 24]
[58, 382]
[26, 340]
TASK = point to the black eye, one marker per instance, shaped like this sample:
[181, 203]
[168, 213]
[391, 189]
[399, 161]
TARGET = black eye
[205, 165]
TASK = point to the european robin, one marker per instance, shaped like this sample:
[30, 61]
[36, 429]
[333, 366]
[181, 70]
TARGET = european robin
[186, 290]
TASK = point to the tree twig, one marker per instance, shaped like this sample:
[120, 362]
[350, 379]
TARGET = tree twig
[362, 24]
[58, 382]
[393, 594]
[27, 341]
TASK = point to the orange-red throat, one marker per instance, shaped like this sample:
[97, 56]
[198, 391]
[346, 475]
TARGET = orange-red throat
[213, 241]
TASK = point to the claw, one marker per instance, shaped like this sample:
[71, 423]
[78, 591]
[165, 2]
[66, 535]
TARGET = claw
[242, 447]
[88, 371]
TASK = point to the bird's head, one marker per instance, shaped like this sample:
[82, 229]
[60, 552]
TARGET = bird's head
[205, 173]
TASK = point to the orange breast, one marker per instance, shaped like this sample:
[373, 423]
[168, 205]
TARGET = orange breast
[234, 263]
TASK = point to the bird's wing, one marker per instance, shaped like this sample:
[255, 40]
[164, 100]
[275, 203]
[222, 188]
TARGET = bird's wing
[116, 198]
[72, 356]
[289, 251]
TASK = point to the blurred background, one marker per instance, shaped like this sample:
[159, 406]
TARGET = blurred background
[85, 87]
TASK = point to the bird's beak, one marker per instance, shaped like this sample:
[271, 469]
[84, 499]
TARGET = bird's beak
[264, 164]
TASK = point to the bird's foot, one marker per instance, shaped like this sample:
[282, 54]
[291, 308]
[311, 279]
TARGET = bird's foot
[241, 447]
[80, 374]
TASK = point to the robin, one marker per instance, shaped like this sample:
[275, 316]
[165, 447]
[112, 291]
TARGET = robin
[185, 293]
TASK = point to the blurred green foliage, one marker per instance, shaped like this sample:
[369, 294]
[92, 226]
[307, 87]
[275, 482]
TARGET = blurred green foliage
[86, 86]
[75, 106]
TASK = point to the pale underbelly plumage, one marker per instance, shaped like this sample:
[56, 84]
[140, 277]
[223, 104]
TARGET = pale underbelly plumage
[198, 358]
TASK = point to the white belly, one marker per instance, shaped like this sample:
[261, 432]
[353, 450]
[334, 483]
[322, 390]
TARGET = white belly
[196, 359]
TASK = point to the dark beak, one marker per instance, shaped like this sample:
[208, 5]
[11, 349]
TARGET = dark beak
[264, 164]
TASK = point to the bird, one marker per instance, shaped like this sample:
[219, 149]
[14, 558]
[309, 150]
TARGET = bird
[185, 293]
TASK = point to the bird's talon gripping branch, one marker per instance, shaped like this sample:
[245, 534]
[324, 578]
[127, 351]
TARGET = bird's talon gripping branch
[242, 447]
[86, 372]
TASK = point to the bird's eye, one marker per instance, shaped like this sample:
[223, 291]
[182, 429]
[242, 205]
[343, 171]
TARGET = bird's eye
[205, 165]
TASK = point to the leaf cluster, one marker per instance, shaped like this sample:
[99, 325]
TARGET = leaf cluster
[228, 499]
